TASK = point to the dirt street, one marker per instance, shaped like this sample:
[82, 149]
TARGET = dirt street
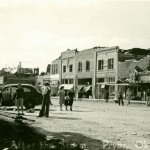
[91, 122]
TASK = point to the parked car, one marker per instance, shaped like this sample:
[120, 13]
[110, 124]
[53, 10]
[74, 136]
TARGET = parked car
[32, 97]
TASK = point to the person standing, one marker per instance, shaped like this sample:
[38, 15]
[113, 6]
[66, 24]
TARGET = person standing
[81, 93]
[19, 98]
[71, 95]
[106, 96]
[148, 98]
[46, 101]
[144, 96]
[120, 97]
[129, 95]
[39, 87]
[61, 94]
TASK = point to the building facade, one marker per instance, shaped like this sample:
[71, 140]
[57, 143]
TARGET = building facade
[101, 67]
[55, 72]
[68, 67]
[106, 71]
[84, 68]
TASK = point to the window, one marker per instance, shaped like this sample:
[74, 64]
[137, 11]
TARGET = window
[64, 68]
[52, 69]
[70, 68]
[6, 89]
[110, 63]
[84, 81]
[56, 68]
[99, 80]
[111, 79]
[87, 65]
[62, 81]
[80, 66]
[27, 89]
[13, 89]
[66, 81]
[100, 64]
[70, 81]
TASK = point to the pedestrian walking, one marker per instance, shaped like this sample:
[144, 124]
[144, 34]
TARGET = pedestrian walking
[86, 89]
[120, 97]
[81, 93]
[128, 95]
[66, 102]
[61, 94]
[46, 101]
[71, 95]
[89, 93]
[106, 96]
[148, 98]
[19, 99]
[144, 96]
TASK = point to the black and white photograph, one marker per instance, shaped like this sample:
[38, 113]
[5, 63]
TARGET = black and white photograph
[74, 74]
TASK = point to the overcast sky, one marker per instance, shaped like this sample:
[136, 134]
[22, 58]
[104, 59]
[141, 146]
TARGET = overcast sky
[35, 32]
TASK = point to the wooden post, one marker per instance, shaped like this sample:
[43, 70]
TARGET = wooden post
[94, 75]
[19, 72]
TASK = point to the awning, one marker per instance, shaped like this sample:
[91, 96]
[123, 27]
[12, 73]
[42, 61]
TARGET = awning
[103, 86]
[66, 86]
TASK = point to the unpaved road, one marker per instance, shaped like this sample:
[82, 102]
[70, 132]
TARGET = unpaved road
[91, 122]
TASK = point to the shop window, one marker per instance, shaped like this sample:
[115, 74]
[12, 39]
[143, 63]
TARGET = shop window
[87, 65]
[66, 81]
[70, 81]
[84, 81]
[100, 64]
[111, 79]
[99, 80]
[80, 66]
[111, 63]
[62, 81]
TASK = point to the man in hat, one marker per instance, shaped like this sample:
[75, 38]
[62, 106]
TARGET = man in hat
[46, 100]
[19, 98]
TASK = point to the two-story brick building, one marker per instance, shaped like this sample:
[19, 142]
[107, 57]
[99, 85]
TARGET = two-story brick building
[106, 70]
[84, 63]
[67, 73]
[102, 67]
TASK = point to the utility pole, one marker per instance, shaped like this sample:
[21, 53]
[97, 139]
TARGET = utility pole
[19, 71]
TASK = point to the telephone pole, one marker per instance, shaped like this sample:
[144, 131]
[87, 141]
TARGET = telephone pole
[19, 71]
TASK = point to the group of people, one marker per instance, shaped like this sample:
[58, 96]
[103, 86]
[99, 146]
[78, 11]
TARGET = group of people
[120, 96]
[128, 96]
[65, 98]
[86, 91]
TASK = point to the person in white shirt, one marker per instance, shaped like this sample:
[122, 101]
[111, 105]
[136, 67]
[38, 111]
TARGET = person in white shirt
[46, 101]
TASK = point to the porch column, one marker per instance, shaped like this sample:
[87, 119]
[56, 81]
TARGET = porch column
[94, 74]
[117, 71]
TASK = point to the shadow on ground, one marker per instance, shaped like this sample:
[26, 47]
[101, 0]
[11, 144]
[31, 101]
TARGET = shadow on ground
[27, 137]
